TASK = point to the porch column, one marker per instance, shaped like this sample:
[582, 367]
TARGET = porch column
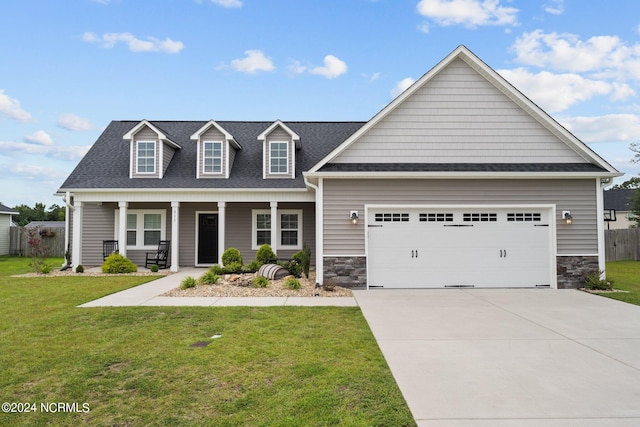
[122, 231]
[222, 212]
[76, 255]
[175, 236]
[274, 227]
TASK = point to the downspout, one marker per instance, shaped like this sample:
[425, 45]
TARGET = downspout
[601, 184]
[319, 239]
[68, 208]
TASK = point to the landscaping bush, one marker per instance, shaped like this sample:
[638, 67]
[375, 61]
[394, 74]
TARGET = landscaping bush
[154, 268]
[292, 283]
[303, 257]
[80, 269]
[188, 282]
[260, 282]
[595, 282]
[293, 267]
[252, 267]
[116, 263]
[234, 267]
[231, 256]
[209, 278]
[265, 254]
[217, 269]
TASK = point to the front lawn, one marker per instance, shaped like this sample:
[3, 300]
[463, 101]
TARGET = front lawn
[625, 276]
[136, 365]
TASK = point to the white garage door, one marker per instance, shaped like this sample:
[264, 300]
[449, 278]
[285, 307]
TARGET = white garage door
[479, 247]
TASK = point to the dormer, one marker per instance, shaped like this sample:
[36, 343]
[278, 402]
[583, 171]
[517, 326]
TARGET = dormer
[279, 144]
[216, 151]
[150, 151]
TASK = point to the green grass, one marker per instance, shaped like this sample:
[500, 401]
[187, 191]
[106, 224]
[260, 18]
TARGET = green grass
[625, 276]
[279, 366]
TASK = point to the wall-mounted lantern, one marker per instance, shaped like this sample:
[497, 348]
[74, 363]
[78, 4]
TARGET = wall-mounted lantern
[353, 215]
[566, 215]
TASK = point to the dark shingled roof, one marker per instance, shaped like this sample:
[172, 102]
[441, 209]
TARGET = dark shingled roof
[618, 199]
[5, 209]
[461, 167]
[106, 165]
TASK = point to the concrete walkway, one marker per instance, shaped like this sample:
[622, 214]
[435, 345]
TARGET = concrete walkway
[510, 357]
[148, 295]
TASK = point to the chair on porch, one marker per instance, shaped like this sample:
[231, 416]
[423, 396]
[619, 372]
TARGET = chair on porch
[160, 257]
[109, 247]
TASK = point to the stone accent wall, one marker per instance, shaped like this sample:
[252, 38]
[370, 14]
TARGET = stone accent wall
[349, 272]
[572, 269]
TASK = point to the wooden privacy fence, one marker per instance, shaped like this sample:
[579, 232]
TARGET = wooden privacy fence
[52, 238]
[622, 245]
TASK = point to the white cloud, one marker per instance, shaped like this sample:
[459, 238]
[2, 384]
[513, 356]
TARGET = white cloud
[254, 61]
[333, 67]
[470, 13]
[32, 172]
[10, 107]
[607, 55]
[74, 123]
[228, 3]
[295, 67]
[608, 128]
[401, 86]
[73, 153]
[554, 7]
[557, 92]
[152, 44]
[424, 27]
[39, 138]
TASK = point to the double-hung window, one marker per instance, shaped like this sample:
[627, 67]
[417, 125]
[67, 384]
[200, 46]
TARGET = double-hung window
[145, 228]
[212, 155]
[289, 229]
[278, 157]
[146, 157]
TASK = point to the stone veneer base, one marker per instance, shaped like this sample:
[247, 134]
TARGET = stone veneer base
[573, 269]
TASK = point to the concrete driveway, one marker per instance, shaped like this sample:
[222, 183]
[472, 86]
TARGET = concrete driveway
[510, 357]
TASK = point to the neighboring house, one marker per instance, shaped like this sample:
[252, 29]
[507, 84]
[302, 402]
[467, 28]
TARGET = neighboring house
[459, 181]
[617, 206]
[5, 226]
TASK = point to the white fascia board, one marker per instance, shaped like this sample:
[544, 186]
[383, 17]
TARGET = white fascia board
[161, 136]
[196, 136]
[294, 136]
[189, 195]
[461, 175]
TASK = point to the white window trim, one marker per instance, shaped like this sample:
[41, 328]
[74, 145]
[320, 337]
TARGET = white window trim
[155, 158]
[271, 158]
[280, 246]
[140, 226]
[204, 158]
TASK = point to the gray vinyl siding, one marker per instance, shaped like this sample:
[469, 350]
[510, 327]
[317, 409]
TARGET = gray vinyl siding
[213, 135]
[341, 196]
[458, 117]
[98, 224]
[138, 255]
[145, 134]
[279, 135]
[232, 157]
[5, 223]
[167, 155]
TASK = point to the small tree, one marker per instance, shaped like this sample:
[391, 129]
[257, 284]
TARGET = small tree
[38, 250]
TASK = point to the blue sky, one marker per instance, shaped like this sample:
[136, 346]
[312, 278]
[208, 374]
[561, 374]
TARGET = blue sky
[69, 67]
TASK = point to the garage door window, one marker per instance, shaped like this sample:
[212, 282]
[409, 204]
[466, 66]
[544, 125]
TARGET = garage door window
[392, 217]
[436, 217]
[524, 216]
[480, 217]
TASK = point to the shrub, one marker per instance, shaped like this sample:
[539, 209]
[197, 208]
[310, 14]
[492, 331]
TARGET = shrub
[231, 256]
[80, 269]
[209, 278]
[234, 267]
[45, 268]
[188, 282]
[595, 282]
[293, 267]
[252, 267]
[265, 254]
[116, 263]
[303, 257]
[292, 283]
[260, 282]
[216, 269]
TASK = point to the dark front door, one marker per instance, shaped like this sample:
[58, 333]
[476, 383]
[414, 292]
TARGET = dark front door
[207, 238]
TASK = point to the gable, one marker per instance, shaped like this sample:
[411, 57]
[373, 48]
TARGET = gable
[458, 117]
[461, 112]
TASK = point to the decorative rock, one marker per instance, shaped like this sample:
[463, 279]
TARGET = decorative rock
[234, 277]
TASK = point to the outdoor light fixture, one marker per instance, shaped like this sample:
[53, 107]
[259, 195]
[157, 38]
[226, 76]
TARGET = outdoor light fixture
[354, 217]
[566, 215]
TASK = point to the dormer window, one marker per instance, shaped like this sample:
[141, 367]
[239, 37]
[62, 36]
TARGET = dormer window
[279, 157]
[212, 154]
[146, 157]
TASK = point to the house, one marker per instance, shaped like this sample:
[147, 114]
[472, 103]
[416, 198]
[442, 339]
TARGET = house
[459, 181]
[617, 207]
[5, 227]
